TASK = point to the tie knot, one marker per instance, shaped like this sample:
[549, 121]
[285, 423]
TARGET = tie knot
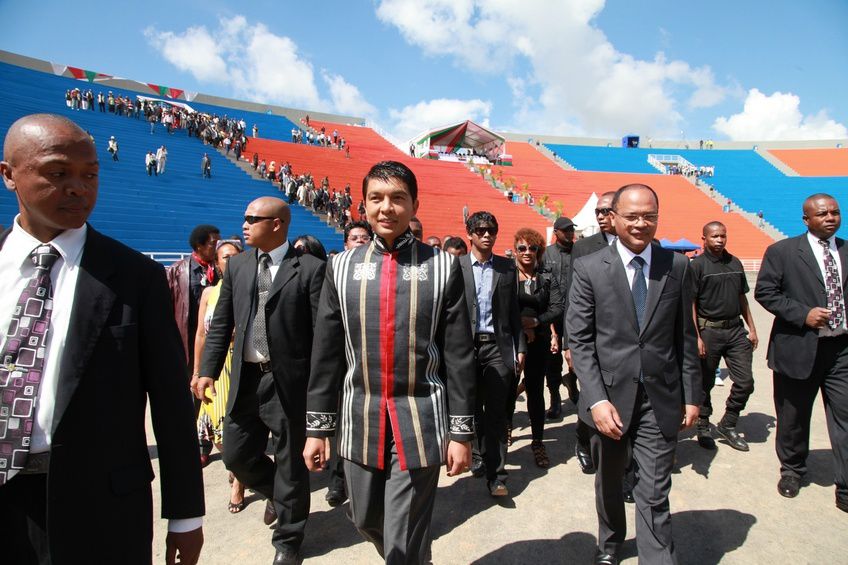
[44, 257]
[265, 260]
[824, 243]
[637, 262]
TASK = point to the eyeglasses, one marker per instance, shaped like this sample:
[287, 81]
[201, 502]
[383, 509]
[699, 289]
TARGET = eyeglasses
[359, 237]
[254, 219]
[524, 248]
[602, 211]
[647, 218]
[481, 231]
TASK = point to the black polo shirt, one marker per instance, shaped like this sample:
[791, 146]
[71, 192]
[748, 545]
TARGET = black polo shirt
[717, 283]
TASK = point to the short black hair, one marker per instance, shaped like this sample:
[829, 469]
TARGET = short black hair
[312, 246]
[454, 243]
[200, 235]
[709, 225]
[634, 186]
[387, 170]
[478, 218]
[357, 224]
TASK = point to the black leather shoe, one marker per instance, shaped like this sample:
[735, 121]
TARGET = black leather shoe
[286, 556]
[335, 496]
[478, 469]
[733, 438]
[498, 488]
[705, 438]
[789, 486]
[555, 412]
[842, 503]
[270, 513]
[602, 558]
[570, 382]
[584, 459]
[628, 497]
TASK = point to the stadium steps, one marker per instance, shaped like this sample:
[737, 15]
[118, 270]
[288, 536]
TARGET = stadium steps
[544, 150]
[777, 163]
[814, 162]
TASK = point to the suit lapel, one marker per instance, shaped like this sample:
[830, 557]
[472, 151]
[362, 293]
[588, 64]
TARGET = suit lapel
[661, 262]
[618, 276]
[842, 251]
[470, 290]
[93, 301]
[287, 271]
[805, 252]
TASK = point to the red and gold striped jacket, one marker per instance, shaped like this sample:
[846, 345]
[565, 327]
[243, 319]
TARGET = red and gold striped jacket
[393, 338]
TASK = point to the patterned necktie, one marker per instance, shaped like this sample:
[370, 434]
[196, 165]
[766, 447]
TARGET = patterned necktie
[23, 359]
[639, 289]
[263, 286]
[833, 283]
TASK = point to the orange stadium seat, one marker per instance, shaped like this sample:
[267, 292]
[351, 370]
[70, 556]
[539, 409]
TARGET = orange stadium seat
[444, 188]
[815, 162]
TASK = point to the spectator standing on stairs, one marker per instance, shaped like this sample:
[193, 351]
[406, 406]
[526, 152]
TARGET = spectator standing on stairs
[113, 148]
[161, 159]
[206, 166]
[255, 131]
[150, 163]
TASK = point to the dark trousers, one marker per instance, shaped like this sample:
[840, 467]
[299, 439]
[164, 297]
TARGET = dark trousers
[732, 344]
[23, 520]
[793, 401]
[654, 456]
[495, 382]
[553, 373]
[535, 364]
[256, 411]
[392, 508]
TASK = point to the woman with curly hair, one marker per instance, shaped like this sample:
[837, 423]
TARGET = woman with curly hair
[541, 303]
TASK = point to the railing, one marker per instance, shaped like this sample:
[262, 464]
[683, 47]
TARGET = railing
[751, 265]
[166, 257]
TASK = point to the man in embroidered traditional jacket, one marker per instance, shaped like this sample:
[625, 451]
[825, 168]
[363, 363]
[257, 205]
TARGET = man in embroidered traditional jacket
[393, 329]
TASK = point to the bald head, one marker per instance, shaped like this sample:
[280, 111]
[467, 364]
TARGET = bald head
[811, 202]
[714, 225]
[40, 132]
[267, 221]
[274, 208]
[822, 215]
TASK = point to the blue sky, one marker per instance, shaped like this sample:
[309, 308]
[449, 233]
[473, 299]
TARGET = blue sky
[755, 69]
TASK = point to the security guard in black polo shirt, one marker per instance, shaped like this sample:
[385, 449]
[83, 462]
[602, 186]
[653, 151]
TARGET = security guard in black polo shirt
[719, 301]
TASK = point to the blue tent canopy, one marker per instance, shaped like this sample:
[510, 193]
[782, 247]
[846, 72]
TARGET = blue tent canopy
[681, 244]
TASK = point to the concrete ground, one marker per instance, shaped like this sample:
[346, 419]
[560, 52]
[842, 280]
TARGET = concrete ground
[725, 504]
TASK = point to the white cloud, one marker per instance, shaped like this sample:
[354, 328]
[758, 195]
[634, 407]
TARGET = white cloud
[346, 97]
[414, 119]
[777, 117]
[585, 85]
[256, 64]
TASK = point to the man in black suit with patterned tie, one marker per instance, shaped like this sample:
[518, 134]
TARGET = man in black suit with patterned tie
[802, 282]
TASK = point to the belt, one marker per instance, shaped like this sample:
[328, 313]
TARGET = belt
[724, 324]
[36, 464]
[484, 337]
[263, 367]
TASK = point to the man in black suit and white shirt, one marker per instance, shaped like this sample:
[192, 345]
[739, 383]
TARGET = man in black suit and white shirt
[802, 282]
[270, 297]
[108, 345]
[635, 351]
[491, 290]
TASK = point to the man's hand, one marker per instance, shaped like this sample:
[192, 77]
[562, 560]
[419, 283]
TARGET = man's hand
[200, 387]
[519, 363]
[568, 359]
[752, 337]
[529, 322]
[316, 453]
[702, 348]
[817, 317]
[554, 344]
[183, 547]
[607, 420]
[690, 415]
[459, 457]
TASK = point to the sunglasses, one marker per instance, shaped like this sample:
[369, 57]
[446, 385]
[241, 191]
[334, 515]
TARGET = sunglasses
[480, 232]
[524, 248]
[254, 219]
[602, 211]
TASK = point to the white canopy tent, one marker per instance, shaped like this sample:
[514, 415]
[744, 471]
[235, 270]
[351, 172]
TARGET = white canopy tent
[585, 219]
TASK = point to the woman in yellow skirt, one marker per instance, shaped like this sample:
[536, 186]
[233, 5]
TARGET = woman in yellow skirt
[210, 420]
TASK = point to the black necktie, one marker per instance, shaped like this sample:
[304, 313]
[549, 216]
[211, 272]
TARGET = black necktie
[639, 289]
[263, 287]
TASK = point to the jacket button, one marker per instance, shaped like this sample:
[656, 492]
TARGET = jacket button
[641, 345]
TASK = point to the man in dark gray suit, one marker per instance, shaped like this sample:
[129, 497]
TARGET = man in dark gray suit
[270, 298]
[634, 348]
[582, 247]
[492, 296]
[802, 282]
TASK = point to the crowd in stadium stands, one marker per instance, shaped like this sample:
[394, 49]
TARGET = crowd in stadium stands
[690, 170]
[320, 138]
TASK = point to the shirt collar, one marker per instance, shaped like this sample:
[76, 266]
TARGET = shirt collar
[69, 243]
[814, 241]
[277, 254]
[476, 261]
[627, 255]
[405, 239]
[715, 258]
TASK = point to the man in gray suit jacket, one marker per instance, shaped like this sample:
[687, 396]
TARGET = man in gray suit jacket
[634, 348]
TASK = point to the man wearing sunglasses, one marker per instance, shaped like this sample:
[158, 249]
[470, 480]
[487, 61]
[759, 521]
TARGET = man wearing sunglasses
[270, 297]
[582, 247]
[492, 299]
[558, 262]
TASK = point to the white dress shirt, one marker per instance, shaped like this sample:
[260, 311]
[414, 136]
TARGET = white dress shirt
[251, 355]
[818, 253]
[17, 270]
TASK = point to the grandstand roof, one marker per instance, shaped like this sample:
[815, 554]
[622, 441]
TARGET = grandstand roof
[464, 134]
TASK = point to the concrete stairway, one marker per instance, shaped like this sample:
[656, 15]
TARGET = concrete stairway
[778, 164]
[553, 157]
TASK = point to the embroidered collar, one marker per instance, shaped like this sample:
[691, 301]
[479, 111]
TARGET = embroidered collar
[404, 240]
